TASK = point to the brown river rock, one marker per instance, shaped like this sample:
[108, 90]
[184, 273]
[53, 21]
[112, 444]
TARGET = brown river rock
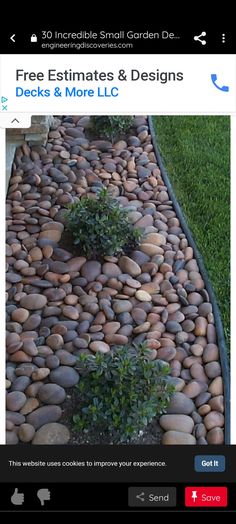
[61, 304]
[128, 265]
[33, 301]
[178, 438]
[182, 423]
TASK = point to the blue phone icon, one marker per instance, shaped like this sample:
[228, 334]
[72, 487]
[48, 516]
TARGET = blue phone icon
[221, 88]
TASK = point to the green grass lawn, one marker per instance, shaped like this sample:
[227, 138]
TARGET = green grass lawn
[196, 154]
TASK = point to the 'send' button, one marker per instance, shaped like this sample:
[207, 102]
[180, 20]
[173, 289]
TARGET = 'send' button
[209, 463]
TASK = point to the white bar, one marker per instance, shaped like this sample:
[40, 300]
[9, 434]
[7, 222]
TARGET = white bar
[2, 287]
[195, 94]
[9, 120]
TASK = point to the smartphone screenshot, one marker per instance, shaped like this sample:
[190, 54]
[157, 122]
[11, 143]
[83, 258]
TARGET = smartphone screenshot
[118, 369]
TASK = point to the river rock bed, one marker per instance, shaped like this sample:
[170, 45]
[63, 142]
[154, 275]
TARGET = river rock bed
[59, 304]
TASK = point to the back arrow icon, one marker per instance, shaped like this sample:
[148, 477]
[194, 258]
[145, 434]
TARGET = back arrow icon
[12, 37]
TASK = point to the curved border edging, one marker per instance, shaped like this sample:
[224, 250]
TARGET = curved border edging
[209, 288]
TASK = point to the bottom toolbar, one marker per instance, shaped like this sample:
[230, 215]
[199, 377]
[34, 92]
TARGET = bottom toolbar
[117, 497]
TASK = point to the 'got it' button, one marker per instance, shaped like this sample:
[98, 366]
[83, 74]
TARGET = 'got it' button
[209, 463]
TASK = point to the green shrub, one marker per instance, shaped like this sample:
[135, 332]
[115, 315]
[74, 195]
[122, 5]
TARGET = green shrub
[100, 227]
[111, 127]
[121, 392]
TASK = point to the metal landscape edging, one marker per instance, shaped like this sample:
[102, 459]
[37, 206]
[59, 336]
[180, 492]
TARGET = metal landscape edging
[208, 285]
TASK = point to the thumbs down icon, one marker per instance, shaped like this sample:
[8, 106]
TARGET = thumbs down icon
[43, 494]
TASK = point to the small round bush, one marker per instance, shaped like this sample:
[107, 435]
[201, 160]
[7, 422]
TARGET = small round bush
[120, 392]
[100, 226]
[111, 127]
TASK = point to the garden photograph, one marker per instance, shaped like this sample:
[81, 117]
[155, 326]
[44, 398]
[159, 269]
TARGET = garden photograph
[118, 280]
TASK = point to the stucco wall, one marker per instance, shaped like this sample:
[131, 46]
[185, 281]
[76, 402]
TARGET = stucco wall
[36, 134]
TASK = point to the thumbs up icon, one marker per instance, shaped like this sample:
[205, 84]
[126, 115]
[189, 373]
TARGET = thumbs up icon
[17, 498]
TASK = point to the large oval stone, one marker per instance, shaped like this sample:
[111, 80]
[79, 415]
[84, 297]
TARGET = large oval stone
[20, 315]
[91, 270]
[52, 433]
[215, 436]
[166, 353]
[40, 374]
[182, 423]
[143, 296]
[15, 400]
[26, 432]
[75, 264]
[216, 387]
[36, 254]
[15, 418]
[56, 226]
[20, 383]
[55, 294]
[58, 267]
[33, 301]
[213, 369]
[210, 353]
[192, 389]
[44, 415]
[155, 238]
[30, 405]
[214, 419]
[121, 306]
[51, 394]
[32, 322]
[178, 438]
[98, 345]
[180, 404]
[173, 327]
[64, 376]
[139, 315]
[144, 222]
[52, 235]
[151, 249]
[55, 341]
[128, 265]
[111, 327]
[217, 403]
[200, 327]
[204, 309]
[66, 358]
[111, 270]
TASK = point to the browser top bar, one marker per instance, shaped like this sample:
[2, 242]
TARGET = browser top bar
[141, 38]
